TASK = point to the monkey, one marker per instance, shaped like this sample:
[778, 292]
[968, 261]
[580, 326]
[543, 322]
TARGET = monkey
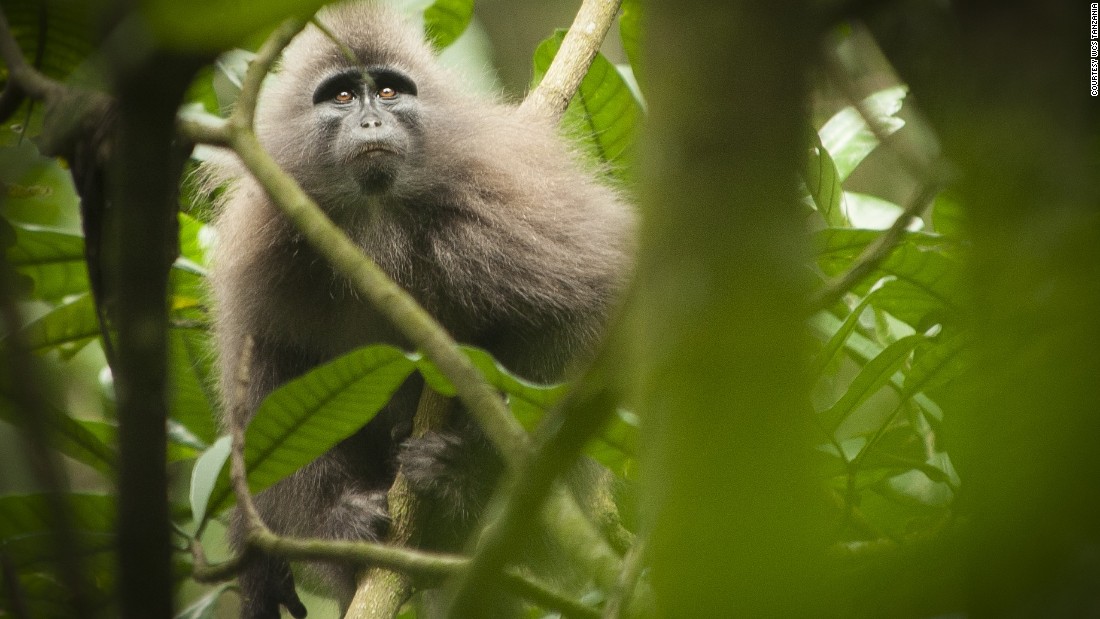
[486, 215]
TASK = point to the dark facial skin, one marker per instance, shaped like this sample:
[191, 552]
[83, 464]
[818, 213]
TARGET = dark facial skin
[372, 117]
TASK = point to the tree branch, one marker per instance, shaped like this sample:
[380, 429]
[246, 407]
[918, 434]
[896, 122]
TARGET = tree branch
[30, 82]
[581, 44]
[381, 592]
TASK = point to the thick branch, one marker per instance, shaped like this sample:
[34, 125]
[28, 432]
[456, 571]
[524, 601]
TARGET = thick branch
[380, 591]
[581, 44]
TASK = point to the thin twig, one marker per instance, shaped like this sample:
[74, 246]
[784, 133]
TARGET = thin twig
[579, 48]
[877, 251]
[260, 66]
[238, 475]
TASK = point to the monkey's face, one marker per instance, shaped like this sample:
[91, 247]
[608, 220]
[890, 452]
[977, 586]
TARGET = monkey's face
[369, 122]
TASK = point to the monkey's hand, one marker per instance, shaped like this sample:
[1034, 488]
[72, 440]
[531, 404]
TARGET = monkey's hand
[455, 473]
[267, 582]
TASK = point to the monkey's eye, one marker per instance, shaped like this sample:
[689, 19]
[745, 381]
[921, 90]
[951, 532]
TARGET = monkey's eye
[344, 96]
[387, 93]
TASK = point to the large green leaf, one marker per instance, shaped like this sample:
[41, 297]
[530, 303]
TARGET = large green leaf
[28, 524]
[823, 183]
[876, 374]
[630, 31]
[67, 327]
[604, 113]
[63, 433]
[446, 20]
[528, 400]
[862, 350]
[914, 261]
[53, 259]
[840, 337]
[37, 189]
[62, 32]
[192, 400]
[215, 24]
[206, 473]
[32, 549]
[848, 138]
[311, 414]
[949, 357]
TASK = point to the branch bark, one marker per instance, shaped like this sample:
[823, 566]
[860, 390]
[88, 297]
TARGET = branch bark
[579, 48]
[381, 591]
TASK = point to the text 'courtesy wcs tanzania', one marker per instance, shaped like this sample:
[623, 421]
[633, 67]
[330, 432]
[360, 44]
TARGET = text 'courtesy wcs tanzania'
[1094, 48]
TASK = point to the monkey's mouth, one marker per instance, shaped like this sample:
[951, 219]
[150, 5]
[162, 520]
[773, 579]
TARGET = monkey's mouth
[376, 150]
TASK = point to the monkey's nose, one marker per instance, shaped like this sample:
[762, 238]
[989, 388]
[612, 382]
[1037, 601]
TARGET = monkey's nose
[371, 122]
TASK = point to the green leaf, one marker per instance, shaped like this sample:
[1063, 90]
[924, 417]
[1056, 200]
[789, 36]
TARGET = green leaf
[194, 239]
[68, 327]
[205, 475]
[65, 434]
[848, 138]
[630, 31]
[947, 359]
[873, 213]
[192, 402]
[205, 607]
[837, 340]
[949, 216]
[28, 526]
[823, 184]
[862, 349]
[870, 379]
[604, 113]
[201, 92]
[617, 445]
[311, 414]
[914, 261]
[912, 304]
[229, 72]
[213, 25]
[527, 400]
[65, 32]
[446, 20]
[36, 188]
[53, 259]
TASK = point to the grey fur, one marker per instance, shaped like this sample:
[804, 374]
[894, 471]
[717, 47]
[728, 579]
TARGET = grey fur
[488, 220]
